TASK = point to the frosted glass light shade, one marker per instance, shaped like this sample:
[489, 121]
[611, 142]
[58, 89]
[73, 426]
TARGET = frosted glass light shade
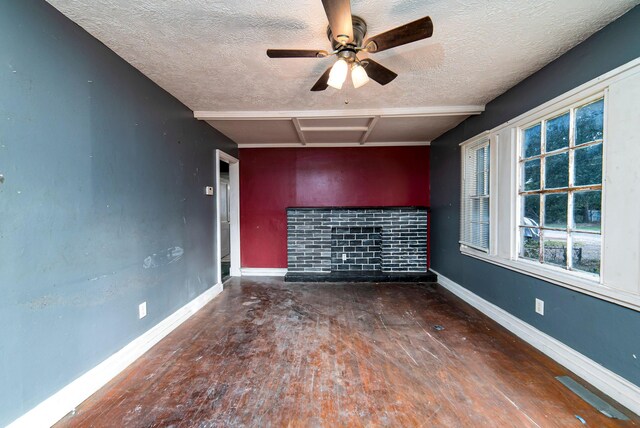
[338, 74]
[359, 76]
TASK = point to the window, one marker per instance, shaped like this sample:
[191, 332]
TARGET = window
[475, 195]
[564, 190]
[560, 192]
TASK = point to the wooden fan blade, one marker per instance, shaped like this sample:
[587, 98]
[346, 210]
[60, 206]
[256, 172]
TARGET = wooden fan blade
[377, 72]
[411, 32]
[321, 84]
[295, 53]
[339, 15]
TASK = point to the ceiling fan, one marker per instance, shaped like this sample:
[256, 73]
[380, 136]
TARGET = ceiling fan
[346, 34]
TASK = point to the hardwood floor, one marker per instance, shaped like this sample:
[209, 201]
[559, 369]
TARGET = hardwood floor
[268, 353]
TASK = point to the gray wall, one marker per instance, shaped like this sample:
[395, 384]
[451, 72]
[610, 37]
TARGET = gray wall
[605, 332]
[104, 176]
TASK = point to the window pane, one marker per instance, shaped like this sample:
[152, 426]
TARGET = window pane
[479, 228]
[531, 143]
[479, 190]
[480, 172]
[557, 133]
[529, 243]
[586, 252]
[484, 236]
[587, 210]
[589, 122]
[480, 235]
[588, 165]
[475, 210]
[484, 210]
[556, 171]
[555, 210]
[555, 247]
[480, 209]
[531, 210]
[532, 175]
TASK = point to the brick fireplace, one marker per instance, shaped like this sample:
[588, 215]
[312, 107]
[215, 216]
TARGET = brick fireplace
[360, 243]
[356, 248]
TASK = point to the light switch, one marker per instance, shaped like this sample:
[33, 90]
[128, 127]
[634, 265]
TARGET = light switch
[142, 310]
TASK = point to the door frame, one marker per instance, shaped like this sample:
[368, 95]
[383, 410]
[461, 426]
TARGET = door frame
[234, 214]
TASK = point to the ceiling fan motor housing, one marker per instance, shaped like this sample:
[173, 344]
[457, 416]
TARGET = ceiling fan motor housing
[359, 31]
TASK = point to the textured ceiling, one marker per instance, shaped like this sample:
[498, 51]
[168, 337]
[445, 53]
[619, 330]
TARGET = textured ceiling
[210, 54]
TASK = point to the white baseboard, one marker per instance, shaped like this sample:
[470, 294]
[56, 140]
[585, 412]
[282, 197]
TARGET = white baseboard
[68, 398]
[612, 384]
[263, 272]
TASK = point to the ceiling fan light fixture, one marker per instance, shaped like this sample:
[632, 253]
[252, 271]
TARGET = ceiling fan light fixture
[359, 76]
[338, 74]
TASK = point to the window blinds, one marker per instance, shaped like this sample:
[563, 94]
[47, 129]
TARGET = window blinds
[474, 230]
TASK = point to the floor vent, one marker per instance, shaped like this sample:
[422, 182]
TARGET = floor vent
[598, 403]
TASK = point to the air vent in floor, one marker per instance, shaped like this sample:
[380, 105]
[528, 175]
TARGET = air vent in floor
[598, 403]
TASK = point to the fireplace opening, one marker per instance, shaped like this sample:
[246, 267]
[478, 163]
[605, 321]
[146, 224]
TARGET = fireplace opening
[356, 249]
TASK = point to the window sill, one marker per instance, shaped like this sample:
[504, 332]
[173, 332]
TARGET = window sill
[572, 281]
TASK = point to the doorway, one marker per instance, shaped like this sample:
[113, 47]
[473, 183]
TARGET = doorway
[227, 216]
[225, 224]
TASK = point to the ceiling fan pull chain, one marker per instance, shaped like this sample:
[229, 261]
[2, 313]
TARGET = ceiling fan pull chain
[346, 95]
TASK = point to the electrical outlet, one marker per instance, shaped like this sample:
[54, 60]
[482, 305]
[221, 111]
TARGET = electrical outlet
[142, 310]
[344, 257]
[540, 306]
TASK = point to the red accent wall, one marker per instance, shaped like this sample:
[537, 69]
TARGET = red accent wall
[272, 180]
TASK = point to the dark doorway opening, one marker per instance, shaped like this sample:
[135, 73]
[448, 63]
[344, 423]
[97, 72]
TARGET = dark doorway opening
[225, 222]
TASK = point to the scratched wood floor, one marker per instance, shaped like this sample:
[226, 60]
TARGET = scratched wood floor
[268, 353]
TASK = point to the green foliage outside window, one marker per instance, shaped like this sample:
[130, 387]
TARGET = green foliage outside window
[548, 157]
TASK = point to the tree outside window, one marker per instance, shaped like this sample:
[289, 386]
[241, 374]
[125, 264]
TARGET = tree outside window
[561, 189]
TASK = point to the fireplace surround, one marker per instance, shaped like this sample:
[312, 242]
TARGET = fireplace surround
[371, 243]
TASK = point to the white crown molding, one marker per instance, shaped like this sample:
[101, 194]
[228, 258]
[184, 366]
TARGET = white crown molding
[64, 401]
[263, 271]
[464, 110]
[301, 145]
[612, 384]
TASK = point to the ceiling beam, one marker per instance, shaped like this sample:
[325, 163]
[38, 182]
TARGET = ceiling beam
[464, 110]
[372, 123]
[334, 128]
[347, 144]
[296, 123]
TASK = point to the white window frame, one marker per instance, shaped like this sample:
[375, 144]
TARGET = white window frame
[571, 148]
[620, 288]
[465, 197]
